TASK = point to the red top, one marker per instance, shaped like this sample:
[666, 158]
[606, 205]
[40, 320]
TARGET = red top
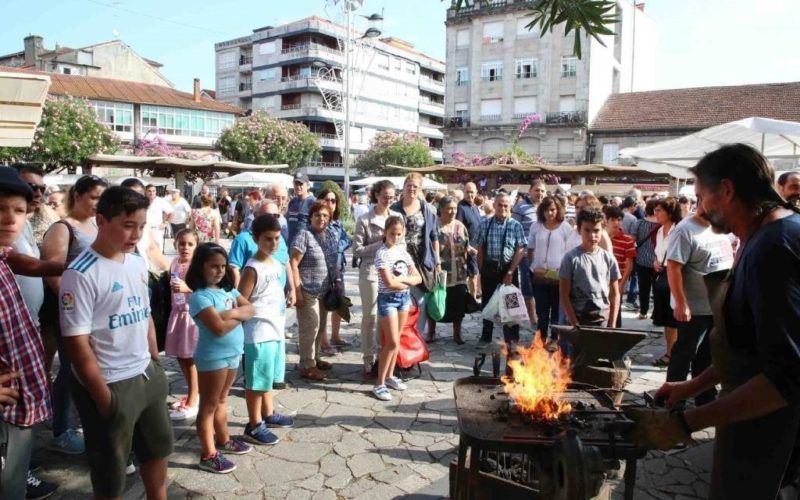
[624, 247]
[21, 351]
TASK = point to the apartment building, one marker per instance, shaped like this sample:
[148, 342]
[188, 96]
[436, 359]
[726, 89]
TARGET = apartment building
[296, 72]
[499, 72]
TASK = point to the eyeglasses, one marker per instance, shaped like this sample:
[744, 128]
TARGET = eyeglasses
[37, 187]
[329, 200]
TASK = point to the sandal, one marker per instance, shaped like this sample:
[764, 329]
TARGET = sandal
[323, 365]
[340, 343]
[329, 351]
[312, 374]
[662, 361]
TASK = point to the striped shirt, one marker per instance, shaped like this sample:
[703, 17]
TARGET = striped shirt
[643, 231]
[624, 248]
[21, 351]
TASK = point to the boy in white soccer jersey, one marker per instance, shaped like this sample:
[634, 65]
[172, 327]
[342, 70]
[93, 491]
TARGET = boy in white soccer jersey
[119, 388]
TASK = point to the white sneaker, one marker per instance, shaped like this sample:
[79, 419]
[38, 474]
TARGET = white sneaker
[396, 384]
[382, 393]
[183, 412]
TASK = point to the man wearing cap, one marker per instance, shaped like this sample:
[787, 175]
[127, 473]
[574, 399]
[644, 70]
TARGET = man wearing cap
[299, 206]
[755, 342]
[181, 210]
[24, 387]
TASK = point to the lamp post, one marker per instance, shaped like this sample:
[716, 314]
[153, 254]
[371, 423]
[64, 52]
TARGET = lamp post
[373, 31]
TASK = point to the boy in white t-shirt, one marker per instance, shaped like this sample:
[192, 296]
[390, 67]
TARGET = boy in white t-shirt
[263, 283]
[119, 388]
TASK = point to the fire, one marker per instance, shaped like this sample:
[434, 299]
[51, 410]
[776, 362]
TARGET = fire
[539, 382]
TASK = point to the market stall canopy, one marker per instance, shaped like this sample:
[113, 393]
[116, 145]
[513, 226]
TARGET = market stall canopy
[427, 184]
[590, 169]
[22, 96]
[178, 164]
[776, 139]
[255, 179]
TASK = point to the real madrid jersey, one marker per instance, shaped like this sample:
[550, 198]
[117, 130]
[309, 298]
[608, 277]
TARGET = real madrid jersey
[108, 300]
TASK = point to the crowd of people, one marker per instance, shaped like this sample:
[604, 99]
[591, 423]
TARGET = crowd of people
[75, 283]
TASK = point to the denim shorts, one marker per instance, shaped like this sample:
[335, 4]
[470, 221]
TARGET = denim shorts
[389, 304]
[231, 363]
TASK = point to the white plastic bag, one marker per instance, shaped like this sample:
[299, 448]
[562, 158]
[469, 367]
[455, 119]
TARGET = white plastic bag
[492, 310]
[512, 306]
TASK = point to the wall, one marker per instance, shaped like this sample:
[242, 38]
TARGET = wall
[117, 60]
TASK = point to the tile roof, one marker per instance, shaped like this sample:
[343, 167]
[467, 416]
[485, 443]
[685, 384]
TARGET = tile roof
[697, 108]
[107, 89]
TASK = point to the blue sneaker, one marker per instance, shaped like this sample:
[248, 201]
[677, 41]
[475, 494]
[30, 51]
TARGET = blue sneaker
[70, 442]
[259, 434]
[278, 420]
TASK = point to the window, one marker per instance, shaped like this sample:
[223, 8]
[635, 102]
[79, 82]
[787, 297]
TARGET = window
[491, 108]
[462, 38]
[611, 154]
[524, 106]
[382, 60]
[268, 48]
[569, 66]
[66, 71]
[527, 68]
[226, 60]
[522, 28]
[268, 74]
[462, 76]
[398, 64]
[411, 68]
[565, 148]
[305, 71]
[184, 122]
[492, 71]
[493, 32]
[117, 116]
[462, 109]
[566, 103]
[226, 85]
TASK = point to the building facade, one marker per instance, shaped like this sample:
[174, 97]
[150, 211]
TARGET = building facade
[499, 72]
[113, 59]
[296, 72]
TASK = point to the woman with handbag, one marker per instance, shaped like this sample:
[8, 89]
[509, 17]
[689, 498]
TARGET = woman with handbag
[547, 244]
[454, 252]
[367, 240]
[422, 239]
[667, 212]
[644, 230]
[314, 266]
[335, 227]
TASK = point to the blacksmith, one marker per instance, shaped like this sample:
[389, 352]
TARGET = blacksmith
[756, 338]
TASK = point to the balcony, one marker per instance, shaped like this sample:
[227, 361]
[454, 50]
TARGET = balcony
[245, 86]
[329, 140]
[288, 107]
[437, 154]
[313, 110]
[246, 63]
[457, 122]
[431, 108]
[326, 169]
[491, 118]
[494, 78]
[495, 6]
[431, 85]
[312, 50]
[430, 130]
[566, 118]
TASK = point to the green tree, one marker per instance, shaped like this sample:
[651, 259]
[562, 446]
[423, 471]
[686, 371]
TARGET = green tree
[390, 148]
[264, 140]
[67, 134]
[590, 16]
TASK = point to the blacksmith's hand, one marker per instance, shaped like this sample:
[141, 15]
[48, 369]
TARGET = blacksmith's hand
[658, 429]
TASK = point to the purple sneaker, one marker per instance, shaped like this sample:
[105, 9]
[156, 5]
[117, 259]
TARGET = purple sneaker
[235, 447]
[217, 464]
[278, 420]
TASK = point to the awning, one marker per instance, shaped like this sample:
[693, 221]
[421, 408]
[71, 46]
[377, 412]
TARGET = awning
[255, 179]
[427, 184]
[178, 164]
[776, 139]
[22, 96]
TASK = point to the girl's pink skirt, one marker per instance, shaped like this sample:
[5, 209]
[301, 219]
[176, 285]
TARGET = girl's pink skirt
[182, 335]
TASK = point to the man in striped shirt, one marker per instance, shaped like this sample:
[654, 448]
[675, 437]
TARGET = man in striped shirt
[624, 247]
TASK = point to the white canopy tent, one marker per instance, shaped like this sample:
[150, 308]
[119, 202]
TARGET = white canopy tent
[776, 139]
[255, 179]
[22, 96]
[427, 184]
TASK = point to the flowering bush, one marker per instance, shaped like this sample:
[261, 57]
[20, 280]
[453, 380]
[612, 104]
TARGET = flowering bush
[391, 148]
[264, 140]
[67, 134]
[527, 122]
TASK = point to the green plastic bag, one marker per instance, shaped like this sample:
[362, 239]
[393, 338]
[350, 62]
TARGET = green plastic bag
[436, 300]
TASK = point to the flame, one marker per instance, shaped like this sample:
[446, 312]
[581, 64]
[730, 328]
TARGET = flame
[539, 381]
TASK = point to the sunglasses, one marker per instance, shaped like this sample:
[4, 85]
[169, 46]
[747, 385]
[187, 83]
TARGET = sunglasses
[330, 200]
[88, 181]
[37, 187]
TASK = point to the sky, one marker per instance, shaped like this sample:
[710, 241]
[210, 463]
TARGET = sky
[700, 42]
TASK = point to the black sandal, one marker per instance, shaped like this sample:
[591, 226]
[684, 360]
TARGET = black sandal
[662, 361]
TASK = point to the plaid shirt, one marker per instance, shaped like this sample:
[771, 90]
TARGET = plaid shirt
[502, 239]
[21, 351]
[319, 262]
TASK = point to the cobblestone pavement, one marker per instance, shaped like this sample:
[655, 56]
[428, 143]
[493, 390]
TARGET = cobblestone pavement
[346, 444]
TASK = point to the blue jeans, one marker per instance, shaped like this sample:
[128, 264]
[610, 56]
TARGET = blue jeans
[526, 279]
[62, 398]
[18, 444]
[547, 306]
[389, 304]
[633, 288]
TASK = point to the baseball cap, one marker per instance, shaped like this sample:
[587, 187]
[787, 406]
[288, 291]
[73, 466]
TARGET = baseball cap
[173, 190]
[301, 177]
[11, 181]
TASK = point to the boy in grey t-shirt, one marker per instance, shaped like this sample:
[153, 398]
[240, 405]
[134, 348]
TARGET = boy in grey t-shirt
[589, 277]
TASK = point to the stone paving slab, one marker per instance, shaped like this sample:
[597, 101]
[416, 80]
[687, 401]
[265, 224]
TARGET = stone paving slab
[347, 445]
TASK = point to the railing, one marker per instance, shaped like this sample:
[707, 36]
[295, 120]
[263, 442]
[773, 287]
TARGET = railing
[323, 135]
[494, 78]
[431, 81]
[325, 164]
[566, 118]
[245, 60]
[462, 83]
[287, 107]
[457, 122]
[428, 100]
[520, 116]
[296, 49]
[245, 86]
[294, 78]
[491, 118]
